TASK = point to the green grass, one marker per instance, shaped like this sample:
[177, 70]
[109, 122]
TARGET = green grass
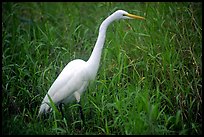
[149, 80]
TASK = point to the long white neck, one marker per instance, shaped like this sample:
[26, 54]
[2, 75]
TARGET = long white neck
[94, 60]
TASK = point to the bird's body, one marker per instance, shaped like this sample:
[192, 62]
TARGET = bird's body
[74, 78]
[58, 91]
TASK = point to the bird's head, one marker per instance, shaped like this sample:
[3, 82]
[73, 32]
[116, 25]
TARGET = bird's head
[121, 14]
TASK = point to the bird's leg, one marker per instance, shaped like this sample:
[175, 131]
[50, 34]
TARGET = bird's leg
[60, 107]
[77, 96]
[81, 112]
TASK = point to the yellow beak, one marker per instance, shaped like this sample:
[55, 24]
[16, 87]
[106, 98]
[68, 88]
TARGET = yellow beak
[134, 16]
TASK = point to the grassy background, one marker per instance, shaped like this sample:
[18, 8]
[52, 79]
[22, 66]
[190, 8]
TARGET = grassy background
[149, 80]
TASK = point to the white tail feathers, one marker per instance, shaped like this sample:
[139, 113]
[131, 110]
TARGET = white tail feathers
[44, 108]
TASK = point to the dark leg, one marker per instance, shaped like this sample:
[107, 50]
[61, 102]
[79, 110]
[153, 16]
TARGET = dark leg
[81, 112]
[60, 107]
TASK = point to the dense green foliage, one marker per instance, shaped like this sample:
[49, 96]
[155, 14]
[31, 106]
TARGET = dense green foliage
[149, 80]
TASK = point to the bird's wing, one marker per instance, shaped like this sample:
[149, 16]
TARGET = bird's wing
[69, 80]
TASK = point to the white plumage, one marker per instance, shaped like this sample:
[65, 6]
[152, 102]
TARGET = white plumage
[74, 78]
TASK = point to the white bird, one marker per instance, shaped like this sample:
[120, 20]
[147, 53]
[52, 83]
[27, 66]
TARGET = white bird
[74, 78]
